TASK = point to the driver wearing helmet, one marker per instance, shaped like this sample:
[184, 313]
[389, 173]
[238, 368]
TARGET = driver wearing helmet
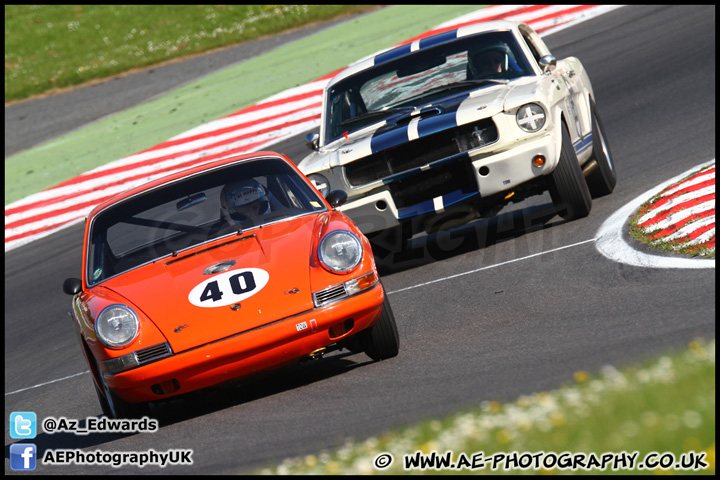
[490, 61]
[242, 200]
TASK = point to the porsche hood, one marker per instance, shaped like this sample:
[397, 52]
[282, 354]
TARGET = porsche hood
[213, 292]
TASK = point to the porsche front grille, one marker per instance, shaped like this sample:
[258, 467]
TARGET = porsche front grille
[329, 295]
[151, 354]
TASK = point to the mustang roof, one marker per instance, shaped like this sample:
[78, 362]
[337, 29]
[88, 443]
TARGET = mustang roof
[417, 45]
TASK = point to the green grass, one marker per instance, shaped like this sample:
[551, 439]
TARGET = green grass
[50, 47]
[665, 406]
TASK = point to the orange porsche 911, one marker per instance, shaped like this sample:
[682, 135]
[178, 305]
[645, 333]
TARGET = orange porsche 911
[217, 273]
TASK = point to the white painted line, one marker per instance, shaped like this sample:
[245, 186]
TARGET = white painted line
[491, 266]
[48, 383]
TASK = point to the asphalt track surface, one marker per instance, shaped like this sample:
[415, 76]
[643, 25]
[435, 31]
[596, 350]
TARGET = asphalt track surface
[541, 304]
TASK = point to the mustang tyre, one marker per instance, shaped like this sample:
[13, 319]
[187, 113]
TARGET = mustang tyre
[568, 188]
[601, 180]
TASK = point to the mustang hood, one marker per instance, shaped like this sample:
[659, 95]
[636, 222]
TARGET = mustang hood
[192, 306]
[444, 114]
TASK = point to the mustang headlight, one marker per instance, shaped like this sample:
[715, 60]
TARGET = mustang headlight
[531, 117]
[340, 251]
[320, 183]
[117, 325]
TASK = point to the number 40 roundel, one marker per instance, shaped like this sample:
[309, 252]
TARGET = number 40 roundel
[229, 287]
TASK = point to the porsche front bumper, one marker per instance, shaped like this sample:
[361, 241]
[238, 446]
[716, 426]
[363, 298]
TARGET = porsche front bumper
[264, 348]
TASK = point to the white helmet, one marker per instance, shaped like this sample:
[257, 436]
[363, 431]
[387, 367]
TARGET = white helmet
[239, 194]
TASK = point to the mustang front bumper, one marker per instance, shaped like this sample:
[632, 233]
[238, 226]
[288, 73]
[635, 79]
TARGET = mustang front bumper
[246, 353]
[492, 173]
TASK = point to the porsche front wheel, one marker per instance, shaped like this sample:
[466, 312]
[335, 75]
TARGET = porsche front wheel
[381, 340]
[114, 406]
[568, 189]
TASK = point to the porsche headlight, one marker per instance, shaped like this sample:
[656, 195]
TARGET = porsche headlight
[117, 325]
[320, 183]
[531, 117]
[340, 251]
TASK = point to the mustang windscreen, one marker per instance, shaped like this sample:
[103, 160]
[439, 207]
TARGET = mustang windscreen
[187, 212]
[416, 79]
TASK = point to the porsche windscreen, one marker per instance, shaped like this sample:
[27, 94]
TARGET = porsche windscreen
[395, 88]
[193, 210]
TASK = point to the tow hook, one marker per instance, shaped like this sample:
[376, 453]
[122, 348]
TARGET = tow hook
[316, 354]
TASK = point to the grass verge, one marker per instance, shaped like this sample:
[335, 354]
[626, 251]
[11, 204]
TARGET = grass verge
[665, 406]
[51, 47]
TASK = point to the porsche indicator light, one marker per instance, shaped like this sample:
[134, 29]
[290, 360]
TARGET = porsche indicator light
[120, 364]
[357, 285]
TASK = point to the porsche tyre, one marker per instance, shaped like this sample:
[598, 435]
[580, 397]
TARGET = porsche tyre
[381, 341]
[568, 188]
[114, 406]
[601, 180]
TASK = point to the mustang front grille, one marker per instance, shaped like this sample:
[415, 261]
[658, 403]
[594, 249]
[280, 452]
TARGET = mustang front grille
[433, 183]
[331, 294]
[421, 151]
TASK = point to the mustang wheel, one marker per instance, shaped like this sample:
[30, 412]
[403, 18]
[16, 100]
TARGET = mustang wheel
[601, 181]
[381, 340]
[568, 189]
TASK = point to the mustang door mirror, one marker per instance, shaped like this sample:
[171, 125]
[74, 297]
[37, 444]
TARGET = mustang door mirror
[311, 140]
[547, 63]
